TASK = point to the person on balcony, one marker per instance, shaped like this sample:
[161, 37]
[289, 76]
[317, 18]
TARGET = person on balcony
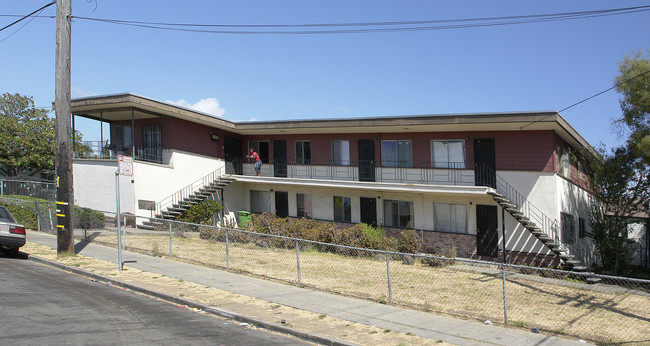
[258, 163]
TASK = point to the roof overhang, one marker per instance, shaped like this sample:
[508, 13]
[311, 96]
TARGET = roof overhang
[122, 107]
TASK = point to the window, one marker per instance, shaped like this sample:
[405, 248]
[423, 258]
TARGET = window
[398, 214]
[568, 228]
[303, 152]
[564, 162]
[450, 217]
[396, 154]
[342, 209]
[448, 154]
[123, 138]
[261, 148]
[303, 205]
[582, 228]
[341, 153]
[260, 201]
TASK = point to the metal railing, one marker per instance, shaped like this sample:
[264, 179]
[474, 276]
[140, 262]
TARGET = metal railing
[105, 150]
[188, 191]
[33, 188]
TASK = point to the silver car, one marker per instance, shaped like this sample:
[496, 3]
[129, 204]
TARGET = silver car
[12, 234]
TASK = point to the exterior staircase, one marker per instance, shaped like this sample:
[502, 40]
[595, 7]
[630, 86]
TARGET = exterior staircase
[569, 261]
[195, 193]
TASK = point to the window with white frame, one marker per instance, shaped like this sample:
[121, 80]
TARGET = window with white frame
[396, 153]
[303, 205]
[260, 201]
[448, 153]
[450, 217]
[564, 161]
[398, 214]
[342, 209]
[303, 152]
[341, 153]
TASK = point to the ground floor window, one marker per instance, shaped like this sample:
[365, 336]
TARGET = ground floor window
[450, 217]
[303, 205]
[260, 201]
[342, 209]
[398, 214]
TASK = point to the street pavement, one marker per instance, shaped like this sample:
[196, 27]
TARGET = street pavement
[423, 324]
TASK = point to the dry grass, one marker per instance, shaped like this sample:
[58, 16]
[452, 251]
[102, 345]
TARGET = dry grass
[602, 313]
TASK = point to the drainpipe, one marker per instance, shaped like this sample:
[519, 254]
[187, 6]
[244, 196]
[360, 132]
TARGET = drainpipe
[503, 228]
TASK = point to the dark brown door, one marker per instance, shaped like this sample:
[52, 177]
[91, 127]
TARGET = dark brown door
[487, 236]
[369, 211]
[484, 162]
[281, 203]
[233, 155]
[280, 158]
[366, 160]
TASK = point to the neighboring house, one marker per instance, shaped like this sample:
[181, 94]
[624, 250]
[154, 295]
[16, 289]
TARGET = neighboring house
[460, 180]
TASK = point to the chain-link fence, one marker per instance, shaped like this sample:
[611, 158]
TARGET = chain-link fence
[594, 307]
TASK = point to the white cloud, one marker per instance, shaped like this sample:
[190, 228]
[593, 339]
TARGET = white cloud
[209, 105]
[80, 93]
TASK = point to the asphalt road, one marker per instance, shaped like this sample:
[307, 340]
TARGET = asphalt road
[40, 305]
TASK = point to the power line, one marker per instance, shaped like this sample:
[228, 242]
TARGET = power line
[368, 27]
[29, 15]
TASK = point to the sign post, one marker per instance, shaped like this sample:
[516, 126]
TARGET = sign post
[124, 167]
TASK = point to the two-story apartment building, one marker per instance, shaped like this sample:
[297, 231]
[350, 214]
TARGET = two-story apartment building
[475, 183]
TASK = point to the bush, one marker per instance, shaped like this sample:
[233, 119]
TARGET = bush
[409, 242]
[93, 219]
[25, 216]
[201, 213]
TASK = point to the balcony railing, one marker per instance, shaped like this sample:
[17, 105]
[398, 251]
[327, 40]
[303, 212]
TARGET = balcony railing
[447, 173]
[104, 150]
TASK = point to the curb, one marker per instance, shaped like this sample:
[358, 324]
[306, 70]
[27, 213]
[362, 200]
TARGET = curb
[192, 304]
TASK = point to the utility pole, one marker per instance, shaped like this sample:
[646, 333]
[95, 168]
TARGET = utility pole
[63, 158]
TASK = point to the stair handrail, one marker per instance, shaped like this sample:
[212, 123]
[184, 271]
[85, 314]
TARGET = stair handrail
[188, 190]
[550, 227]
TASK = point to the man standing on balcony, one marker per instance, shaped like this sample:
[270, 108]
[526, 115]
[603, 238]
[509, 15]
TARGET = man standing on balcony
[258, 163]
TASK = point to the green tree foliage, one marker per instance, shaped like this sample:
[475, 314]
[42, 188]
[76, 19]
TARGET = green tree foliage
[202, 213]
[26, 136]
[634, 86]
[619, 193]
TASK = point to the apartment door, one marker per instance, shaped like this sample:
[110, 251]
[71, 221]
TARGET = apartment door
[233, 155]
[366, 160]
[487, 235]
[280, 158]
[281, 203]
[369, 211]
[484, 162]
[152, 143]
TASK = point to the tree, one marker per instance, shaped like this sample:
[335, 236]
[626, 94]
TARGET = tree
[633, 83]
[619, 191]
[26, 136]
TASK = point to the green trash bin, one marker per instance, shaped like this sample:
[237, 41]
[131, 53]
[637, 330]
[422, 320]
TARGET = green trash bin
[244, 217]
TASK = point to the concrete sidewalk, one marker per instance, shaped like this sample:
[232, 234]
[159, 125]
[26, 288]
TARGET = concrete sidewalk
[427, 325]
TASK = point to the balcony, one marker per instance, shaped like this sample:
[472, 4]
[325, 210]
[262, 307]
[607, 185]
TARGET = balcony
[99, 150]
[448, 173]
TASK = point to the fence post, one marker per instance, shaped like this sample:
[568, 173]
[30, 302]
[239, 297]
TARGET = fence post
[170, 239]
[227, 257]
[390, 292]
[505, 301]
[298, 261]
[38, 216]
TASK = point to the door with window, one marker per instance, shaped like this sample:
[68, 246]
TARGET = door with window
[152, 143]
[369, 211]
[281, 203]
[366, 160]
[487, 236]
[484, 162]
[280, 158]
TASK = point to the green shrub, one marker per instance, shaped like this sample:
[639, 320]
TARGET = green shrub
[201, 213]
[25, 216]
[91, 219]
[409, 242]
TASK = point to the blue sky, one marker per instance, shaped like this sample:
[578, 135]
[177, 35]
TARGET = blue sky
[523, 67]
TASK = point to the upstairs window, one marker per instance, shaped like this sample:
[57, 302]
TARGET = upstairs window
[564, 162]
[261, 148]
[341, 153]
[448, 154]
[303, 152]
[396, 154]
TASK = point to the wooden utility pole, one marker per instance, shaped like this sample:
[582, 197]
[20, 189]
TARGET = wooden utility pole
[63, 159]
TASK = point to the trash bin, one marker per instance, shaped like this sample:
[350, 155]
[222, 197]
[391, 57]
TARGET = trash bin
[243, 217]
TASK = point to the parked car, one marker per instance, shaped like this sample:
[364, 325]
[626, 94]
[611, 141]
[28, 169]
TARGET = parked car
[12, 234]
